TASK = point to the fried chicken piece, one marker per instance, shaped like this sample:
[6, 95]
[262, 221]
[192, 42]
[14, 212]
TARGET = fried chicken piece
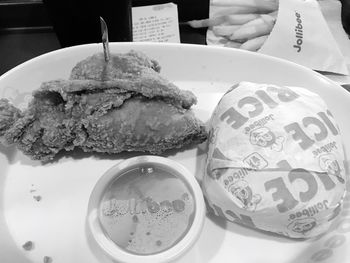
[132, 71]
[122, 105]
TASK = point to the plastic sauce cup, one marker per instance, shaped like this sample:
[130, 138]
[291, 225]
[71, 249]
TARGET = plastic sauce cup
[145, 209]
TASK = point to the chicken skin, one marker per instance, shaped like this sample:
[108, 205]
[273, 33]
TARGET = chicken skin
[110, 107]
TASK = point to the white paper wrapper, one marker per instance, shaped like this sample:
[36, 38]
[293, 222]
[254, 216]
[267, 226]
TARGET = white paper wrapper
[300, 34]
[275, 160]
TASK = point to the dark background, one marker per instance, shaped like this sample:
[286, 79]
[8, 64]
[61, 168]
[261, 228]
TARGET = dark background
[28, 28]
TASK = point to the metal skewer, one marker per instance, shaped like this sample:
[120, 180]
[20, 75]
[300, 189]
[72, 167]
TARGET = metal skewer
[105, 43]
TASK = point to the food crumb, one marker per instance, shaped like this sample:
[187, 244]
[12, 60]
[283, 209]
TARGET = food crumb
[37, 197]
[47, 259]
[32, 188]
[29, 245]
[135, 219]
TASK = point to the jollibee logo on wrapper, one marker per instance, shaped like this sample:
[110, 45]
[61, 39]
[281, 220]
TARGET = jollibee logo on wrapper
[264, 137]
[329, 164]
[275, 160]
[243, 194]
[302, 225]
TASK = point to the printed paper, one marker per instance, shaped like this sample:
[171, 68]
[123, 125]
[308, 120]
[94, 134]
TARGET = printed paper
[156, 23]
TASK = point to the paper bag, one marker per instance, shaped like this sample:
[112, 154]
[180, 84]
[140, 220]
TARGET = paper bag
[294, 30]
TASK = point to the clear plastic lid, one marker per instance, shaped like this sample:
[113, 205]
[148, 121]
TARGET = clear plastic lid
[147, 209]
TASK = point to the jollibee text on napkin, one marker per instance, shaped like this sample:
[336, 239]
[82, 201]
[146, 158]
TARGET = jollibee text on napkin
[290, 29]
[275, 160]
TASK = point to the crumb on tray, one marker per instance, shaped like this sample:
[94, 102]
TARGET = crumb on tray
[37, 197]
[47, 259]
[29, 245]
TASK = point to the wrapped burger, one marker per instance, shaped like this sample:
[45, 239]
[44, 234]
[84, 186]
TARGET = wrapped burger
[275, 160]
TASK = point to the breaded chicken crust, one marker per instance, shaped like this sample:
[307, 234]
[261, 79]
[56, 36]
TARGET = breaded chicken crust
[110, 107]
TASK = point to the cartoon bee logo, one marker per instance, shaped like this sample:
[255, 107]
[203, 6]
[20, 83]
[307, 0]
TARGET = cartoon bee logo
[264, 137]
[329, 164]
[244, 196]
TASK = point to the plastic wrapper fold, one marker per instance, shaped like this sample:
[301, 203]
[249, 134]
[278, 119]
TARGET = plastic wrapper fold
[275, 160]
